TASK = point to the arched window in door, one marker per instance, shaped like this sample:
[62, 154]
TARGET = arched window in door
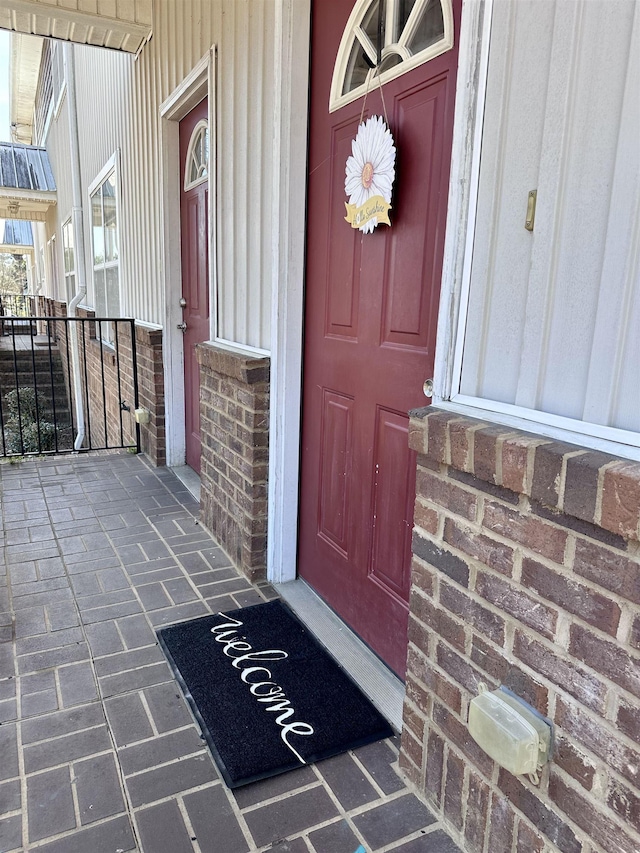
[197, 163]
[386, 38]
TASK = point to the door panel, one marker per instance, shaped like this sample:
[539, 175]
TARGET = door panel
[371, 313]
[194, 220]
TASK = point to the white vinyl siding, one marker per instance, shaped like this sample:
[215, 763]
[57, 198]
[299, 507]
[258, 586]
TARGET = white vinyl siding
[552, 318]
[119, 100]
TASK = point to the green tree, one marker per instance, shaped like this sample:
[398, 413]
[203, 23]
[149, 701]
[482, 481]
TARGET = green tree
[13, 273]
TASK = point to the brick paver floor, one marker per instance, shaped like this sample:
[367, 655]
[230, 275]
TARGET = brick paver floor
[98, 750]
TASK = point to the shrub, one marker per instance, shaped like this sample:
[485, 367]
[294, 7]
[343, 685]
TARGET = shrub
[38, 435]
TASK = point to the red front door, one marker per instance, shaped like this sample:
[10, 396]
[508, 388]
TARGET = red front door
[371, 312]
[195, 268]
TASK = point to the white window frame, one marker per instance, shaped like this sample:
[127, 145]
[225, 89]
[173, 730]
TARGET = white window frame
[112, 166]
[336, 98]
[69, 291]
[456, 276]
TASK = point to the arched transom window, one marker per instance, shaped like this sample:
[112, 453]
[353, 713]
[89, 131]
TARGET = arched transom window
[386, 38]
[197, 164]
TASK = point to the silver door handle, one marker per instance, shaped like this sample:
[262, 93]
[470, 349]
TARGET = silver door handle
[182, 327]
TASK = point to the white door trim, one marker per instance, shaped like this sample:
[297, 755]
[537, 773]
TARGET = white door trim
[292, 48]
[198, 84]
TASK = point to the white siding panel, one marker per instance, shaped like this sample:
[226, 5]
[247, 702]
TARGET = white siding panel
[552, 313]
[119, 99]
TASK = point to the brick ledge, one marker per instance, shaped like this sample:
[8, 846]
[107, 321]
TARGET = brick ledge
[244, 368]
[595, 487]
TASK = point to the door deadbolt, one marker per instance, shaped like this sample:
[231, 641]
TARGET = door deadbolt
[183, 302]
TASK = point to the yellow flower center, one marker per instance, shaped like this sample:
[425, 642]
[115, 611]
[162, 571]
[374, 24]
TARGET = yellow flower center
[367, 175]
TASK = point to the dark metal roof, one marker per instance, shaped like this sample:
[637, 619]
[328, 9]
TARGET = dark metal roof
[25, 167]
[17, 233]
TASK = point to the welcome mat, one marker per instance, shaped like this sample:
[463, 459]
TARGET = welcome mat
[267, 696]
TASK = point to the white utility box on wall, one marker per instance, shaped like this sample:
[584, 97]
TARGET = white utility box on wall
[513, 733]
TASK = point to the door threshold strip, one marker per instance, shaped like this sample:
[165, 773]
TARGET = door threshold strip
[188, 478]
[377, 682]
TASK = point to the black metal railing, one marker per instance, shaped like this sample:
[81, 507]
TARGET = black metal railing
[15, 314]
[69, 389]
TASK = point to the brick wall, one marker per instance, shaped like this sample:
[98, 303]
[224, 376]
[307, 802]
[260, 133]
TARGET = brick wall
[234, 428]
[108, 385]
[526, 572]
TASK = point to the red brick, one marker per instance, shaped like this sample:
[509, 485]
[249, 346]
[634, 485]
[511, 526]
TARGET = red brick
[515, 602]
[418, 695]
[426, 518]
[528, 841]
[461, 440]
[409, 769]
[414, 720]
[459, 669]
[412, 748]
[500, 825]
[440, 558]
[629, 720]
[422, 577]
[446, 493]
[599, 611]
[598, 739]
[416, 436]
[514, 465]
[625, 803]
[542, 817]
[453, 790]
[585, 686]
[436, 620]
[423, 461]
[608, 569]
[422, 669]
[547, 468]
[526, 530]
[605, 657]
[489, 551]
[582, 811]
[485, 450]
[581, 484]
[434, 768]
[621, 499]
[436, 426]
[476, 814]
[472, 613]
[489, 488]
[573, 762]
[514, 677]
[458, 733]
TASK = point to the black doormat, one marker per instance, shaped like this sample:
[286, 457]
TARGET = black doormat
[267, 696]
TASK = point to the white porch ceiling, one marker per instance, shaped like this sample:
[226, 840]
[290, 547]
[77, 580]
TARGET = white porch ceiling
[118, 24]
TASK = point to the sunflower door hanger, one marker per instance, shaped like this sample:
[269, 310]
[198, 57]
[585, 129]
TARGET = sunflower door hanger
[370, 173]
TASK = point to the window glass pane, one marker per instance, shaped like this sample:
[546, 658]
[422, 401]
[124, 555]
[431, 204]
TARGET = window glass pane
[198, 166]
[100, 296]
[110, 221]
[67, 241]
[430, 28]
[357, 68]
[403, 10]
[113, 292]
[98, 236]
[370, 21]
[70, 283]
